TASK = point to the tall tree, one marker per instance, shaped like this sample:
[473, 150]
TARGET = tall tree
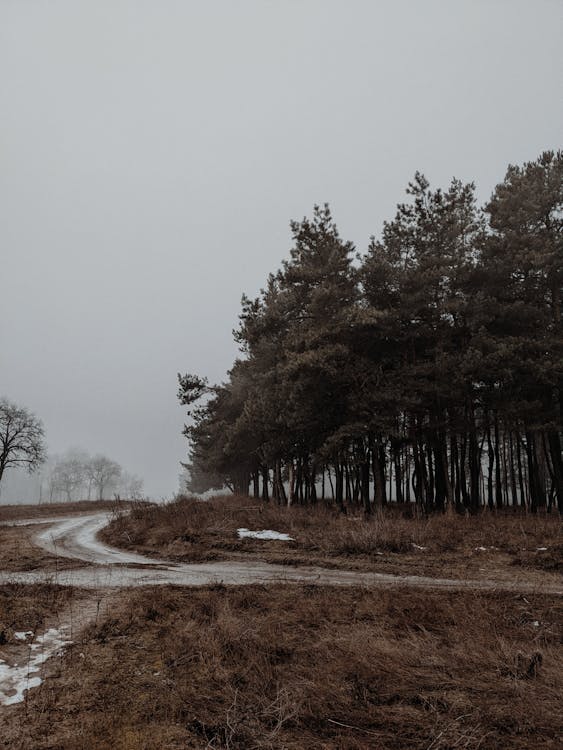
[415, 281]
[69, 475]
[103, 473]
[522, 274]
[22, 442]
[295, 336]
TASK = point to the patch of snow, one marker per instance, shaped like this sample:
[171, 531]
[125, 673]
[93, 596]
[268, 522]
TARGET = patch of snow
[541, 549]
[22, 635]
[264, 534]
[480, 549]
[14, 680]
[536, 623]
[417, 546]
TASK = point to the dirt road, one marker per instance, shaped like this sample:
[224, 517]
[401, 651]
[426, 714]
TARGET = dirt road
[76, 537]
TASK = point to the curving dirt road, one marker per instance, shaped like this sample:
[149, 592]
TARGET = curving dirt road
[76, 537]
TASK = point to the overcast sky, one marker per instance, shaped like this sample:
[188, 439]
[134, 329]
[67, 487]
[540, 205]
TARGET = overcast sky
[153, 153]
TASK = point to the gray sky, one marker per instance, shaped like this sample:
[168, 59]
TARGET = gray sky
[153, 153]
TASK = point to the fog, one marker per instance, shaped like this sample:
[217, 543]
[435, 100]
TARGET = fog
[152, 155]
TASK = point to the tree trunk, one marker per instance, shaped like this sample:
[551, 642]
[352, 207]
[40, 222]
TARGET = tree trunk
[339, 486]
[282, 498]
[557, 464]
[382, 470]
[430, 497]
[313, 484]
[474, 464]
[532, 473]
[523, 500]
[265, 483]
[396, 450]
[290, 497]
[364, 473]
[417, 477]
[378, 490]
[498, 483]
[491, 454]
[513, 490]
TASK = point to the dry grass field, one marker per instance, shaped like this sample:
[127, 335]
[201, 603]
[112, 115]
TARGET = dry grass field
[489, 545]
[304, 667]
[299, 667]
[45, 510]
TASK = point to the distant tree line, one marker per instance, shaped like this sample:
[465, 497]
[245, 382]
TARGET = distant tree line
[428, 370]
[79, 476]
[73, 476]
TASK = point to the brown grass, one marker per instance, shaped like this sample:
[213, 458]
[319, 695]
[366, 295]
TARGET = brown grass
[16, 512]
[191, 531]
[305, 668]
[19, 553]
[26, 607]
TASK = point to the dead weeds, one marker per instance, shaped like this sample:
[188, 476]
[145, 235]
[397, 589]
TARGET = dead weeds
[43, 510]
[252, 667]
[25, 607]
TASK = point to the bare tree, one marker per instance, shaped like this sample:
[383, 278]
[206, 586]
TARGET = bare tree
[77, 475]
[21, 438]
[103, 472]
[69, 474]
[130, 486]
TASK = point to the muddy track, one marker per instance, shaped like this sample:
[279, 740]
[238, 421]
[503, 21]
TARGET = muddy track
[76, 537]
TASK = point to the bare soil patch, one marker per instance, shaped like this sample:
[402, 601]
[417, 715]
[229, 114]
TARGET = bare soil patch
[492, 545]
[304, 667]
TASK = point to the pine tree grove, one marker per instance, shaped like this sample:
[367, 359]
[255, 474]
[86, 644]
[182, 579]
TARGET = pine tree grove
[428, 371]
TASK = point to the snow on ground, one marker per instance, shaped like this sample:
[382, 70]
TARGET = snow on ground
[22, 635]
[15, 680]
[264, 534]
